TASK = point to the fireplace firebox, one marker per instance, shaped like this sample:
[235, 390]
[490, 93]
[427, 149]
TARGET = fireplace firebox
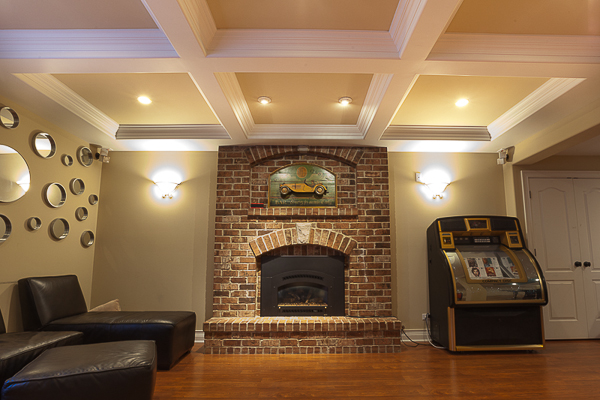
[302, 286]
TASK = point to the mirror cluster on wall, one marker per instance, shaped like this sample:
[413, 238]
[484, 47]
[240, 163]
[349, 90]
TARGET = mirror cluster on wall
[15, 180]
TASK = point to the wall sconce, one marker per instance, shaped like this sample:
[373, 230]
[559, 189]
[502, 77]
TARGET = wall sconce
[167, 189]
[435, 186]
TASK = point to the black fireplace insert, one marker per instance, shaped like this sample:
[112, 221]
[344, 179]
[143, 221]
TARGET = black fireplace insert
[302, 286]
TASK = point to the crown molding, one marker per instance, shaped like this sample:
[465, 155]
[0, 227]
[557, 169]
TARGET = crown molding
[373, 98]
[182, 131]
[305, 131]
[516, 48]
[233, 92]
[536, 100]
[436, 132]
[404, 22]
[63, 95]
[302, 43]
[85, 43]
[200, 19]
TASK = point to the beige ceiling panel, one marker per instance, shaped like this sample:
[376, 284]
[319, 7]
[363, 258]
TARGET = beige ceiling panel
[544, 17]
[75, 14]
[374, 15]
[175, 97]
[431, 101]
[304, 98]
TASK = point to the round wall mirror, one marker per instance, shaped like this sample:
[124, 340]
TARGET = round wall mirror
[14, 175]
[87, 238]
[77, 186]
[81, 214]
[56, 195]
[67, 160]
[33, 223]
[44, 145]
[5, 228]
[8, 118]
[59, 228]
[85, 156]
[93, 199]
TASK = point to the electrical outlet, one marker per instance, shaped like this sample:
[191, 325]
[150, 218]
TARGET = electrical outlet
[424, 316]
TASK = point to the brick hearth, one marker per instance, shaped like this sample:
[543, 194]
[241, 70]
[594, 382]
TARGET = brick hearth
[358, 228]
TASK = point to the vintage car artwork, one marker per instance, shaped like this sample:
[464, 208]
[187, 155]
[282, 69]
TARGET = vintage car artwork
[317, 188]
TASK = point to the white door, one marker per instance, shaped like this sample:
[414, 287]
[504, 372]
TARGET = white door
[563, 232]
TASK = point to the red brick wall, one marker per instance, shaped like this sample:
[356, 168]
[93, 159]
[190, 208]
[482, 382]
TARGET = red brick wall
[362, 216]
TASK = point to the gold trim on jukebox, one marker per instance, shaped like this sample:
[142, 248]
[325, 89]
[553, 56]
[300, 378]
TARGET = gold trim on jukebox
[478, 224]
[500, 347]
[446, 240]
[451, 332]
[511, 239]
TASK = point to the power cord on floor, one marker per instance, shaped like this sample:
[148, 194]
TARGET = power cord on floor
[403, 332]
[429, 334]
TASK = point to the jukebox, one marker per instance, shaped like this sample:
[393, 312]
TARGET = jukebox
[486, 290]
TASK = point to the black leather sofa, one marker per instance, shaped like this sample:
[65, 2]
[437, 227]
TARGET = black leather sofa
[20, 348]
[56, 303]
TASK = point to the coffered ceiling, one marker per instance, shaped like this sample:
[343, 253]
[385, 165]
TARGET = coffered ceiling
[530, 70]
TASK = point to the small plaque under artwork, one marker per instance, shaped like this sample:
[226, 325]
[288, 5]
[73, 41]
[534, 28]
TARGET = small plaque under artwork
[302, 185]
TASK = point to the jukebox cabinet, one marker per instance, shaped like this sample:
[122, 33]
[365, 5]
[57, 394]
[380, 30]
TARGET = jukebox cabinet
[486, 290]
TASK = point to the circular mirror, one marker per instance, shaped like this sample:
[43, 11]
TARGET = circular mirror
[14, 175]
[77, 186]
[93, 199]
[8, 118]
[85, 156]
[67, 160]
[5, 228]
[81, 214]
[44, 145]
[87, 238]
[56, 195]
[59, 228]
[33, 223]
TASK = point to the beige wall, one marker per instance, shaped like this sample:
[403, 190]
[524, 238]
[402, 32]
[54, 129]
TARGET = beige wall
[154, 253]
[27, 253]
[477, 188]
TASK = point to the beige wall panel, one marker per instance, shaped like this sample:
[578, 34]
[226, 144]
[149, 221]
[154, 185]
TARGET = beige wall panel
[154, 253]
[477, 188]
[27, 253]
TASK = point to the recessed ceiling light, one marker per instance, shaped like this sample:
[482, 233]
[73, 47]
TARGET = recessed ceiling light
[264, 100]
[462, 102]
[345, 100]
[144, 100]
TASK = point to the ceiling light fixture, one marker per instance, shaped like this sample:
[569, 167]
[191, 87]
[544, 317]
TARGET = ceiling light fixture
[345, 100]
[461, 102]
[144, 100]
[264, 100]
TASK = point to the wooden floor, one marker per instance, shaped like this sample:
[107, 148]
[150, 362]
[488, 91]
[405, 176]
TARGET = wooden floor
[562, 370]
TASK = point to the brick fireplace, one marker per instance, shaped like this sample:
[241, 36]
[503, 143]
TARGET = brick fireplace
[358, 229]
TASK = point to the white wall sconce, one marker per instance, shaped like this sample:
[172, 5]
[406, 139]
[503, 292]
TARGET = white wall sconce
[167, 189]
[435, 185]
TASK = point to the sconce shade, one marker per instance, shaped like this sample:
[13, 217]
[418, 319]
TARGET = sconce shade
[167, 188]
[437, 189]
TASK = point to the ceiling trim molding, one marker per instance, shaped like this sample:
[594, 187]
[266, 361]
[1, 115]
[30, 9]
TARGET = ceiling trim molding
[436, 132]
[404, 22]
[516, 48]
[84, 43]
[233, 92]
[305, 131]
[63, 95]
[302, 43]
[183, 131]
[373, 98]
[535, 101]
[200, 20]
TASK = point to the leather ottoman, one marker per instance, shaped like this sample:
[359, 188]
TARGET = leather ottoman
[115, 370]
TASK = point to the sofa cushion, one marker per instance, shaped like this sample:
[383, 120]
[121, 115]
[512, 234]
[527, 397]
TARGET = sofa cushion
[19, 348]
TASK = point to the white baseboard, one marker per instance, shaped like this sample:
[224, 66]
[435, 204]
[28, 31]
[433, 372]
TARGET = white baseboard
[416, 335]
[199, 337]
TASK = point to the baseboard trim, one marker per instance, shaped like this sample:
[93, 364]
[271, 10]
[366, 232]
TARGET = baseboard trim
[199, 337]
[416, 335]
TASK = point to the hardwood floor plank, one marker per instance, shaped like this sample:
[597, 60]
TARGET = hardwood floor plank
[562, 370]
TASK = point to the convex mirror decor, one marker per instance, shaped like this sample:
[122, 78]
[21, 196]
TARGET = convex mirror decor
[59, 228]
[93, 199]
[87, 238]
[34, 223]
[67, 160]
[5, 228]
[8, 118]
[44, 145]
[14, 175]
[77, 186]
[56, 195]
[85, 156]
[81, 213]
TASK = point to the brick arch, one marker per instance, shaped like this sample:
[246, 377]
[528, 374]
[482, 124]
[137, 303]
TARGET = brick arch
[347, 155]
[289, 237]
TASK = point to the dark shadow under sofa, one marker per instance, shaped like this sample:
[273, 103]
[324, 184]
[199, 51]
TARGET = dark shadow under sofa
[56, 303]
